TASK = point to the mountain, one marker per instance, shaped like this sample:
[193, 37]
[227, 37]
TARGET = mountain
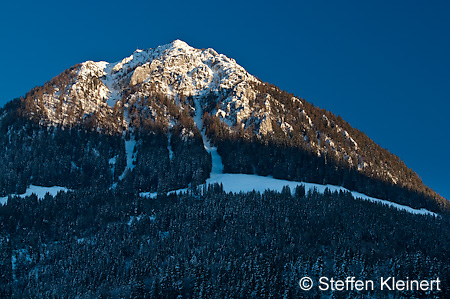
[174, 173]
[128, 123]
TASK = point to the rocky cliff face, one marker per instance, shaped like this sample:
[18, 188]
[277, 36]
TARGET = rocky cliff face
[175, 70]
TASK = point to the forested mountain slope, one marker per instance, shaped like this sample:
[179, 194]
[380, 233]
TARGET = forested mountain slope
[130, 124]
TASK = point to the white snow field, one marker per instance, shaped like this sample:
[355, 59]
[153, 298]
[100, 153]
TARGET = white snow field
[131, 157]
[39, 191]
[246, 183]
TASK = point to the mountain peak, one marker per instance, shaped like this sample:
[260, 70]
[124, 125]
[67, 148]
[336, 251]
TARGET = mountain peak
[175, 70]
[180, 44]
[174, 46]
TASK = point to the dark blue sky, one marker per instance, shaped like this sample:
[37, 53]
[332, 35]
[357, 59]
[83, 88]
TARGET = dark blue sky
[384, 66]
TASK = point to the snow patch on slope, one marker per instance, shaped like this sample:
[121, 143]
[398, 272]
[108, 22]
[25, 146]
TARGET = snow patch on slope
[247, 183]
[39, 191]
[131, 157]
[217, 165]
[169, 146]
[109, 80]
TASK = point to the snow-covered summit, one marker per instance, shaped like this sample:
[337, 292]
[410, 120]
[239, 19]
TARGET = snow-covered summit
[178, 69]
[175, 70]
[177, 44]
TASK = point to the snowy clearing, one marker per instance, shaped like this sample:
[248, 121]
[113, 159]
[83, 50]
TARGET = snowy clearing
[217, 166]
[246, 183]
[131, 157]
[169, 147]
[39, 191]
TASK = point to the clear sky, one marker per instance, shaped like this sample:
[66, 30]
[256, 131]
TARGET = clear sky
[384, 66]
